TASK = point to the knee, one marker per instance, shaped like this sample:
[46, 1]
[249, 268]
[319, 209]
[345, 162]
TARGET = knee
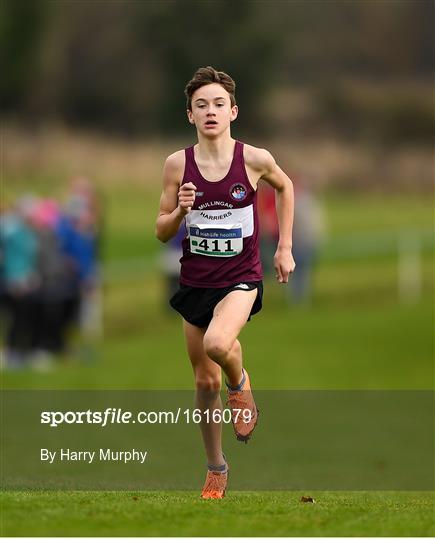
[216, 347]
[208, 383]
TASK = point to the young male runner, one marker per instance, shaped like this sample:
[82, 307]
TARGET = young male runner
[211, 186]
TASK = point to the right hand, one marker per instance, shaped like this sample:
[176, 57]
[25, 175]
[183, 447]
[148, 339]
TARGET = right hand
[186, 197]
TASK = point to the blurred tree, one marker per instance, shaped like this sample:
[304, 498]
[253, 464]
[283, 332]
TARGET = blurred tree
[122, 66]
[21, 32]
[383, 38]
[225, 34]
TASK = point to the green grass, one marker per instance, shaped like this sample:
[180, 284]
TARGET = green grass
[356, 334]
[330, 348]
[131, 217]
[239, 514]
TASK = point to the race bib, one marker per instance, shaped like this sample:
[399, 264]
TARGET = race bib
[216, 240]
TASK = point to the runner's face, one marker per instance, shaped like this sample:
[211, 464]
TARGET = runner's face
[211, 110]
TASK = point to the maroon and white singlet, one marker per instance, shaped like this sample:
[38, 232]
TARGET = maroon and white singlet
[222, 243]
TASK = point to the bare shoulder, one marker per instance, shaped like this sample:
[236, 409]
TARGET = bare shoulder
[175, 162]
[258, 159]
[173, 169]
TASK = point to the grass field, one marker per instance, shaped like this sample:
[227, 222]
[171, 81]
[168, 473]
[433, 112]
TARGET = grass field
[356, 334]
[239, 514]
[332, 348]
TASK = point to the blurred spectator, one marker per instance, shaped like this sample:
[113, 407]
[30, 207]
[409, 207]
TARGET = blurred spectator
[83, 198]
[79, 232]
[49, 279]
[3, 293]
[308, 233]
[309, 230]
[53, 285]
[20, 280]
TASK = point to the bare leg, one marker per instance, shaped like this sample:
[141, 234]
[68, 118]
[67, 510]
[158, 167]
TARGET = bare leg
[208, 384]
[222, 346]
[220, 339]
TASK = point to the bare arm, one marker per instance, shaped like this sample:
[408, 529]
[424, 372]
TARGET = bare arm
[176, 201]
[276, 177]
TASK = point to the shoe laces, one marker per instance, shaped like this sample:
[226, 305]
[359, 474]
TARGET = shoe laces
[216, 481]
[238, 400]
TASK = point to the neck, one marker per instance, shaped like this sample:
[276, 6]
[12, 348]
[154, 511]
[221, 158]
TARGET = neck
[214, 148]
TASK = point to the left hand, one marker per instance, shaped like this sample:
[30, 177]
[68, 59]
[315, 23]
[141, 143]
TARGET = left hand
[284, 264]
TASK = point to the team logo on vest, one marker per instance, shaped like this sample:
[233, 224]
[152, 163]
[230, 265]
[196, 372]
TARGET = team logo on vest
[238, 192]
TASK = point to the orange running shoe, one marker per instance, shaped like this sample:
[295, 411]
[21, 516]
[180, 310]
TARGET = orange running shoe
[239, 402]
[215, 485]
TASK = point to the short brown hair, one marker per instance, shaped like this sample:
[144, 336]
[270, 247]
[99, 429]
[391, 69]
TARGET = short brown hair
[209, 75]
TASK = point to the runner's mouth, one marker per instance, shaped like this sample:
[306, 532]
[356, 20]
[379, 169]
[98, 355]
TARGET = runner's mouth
[211, 123]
